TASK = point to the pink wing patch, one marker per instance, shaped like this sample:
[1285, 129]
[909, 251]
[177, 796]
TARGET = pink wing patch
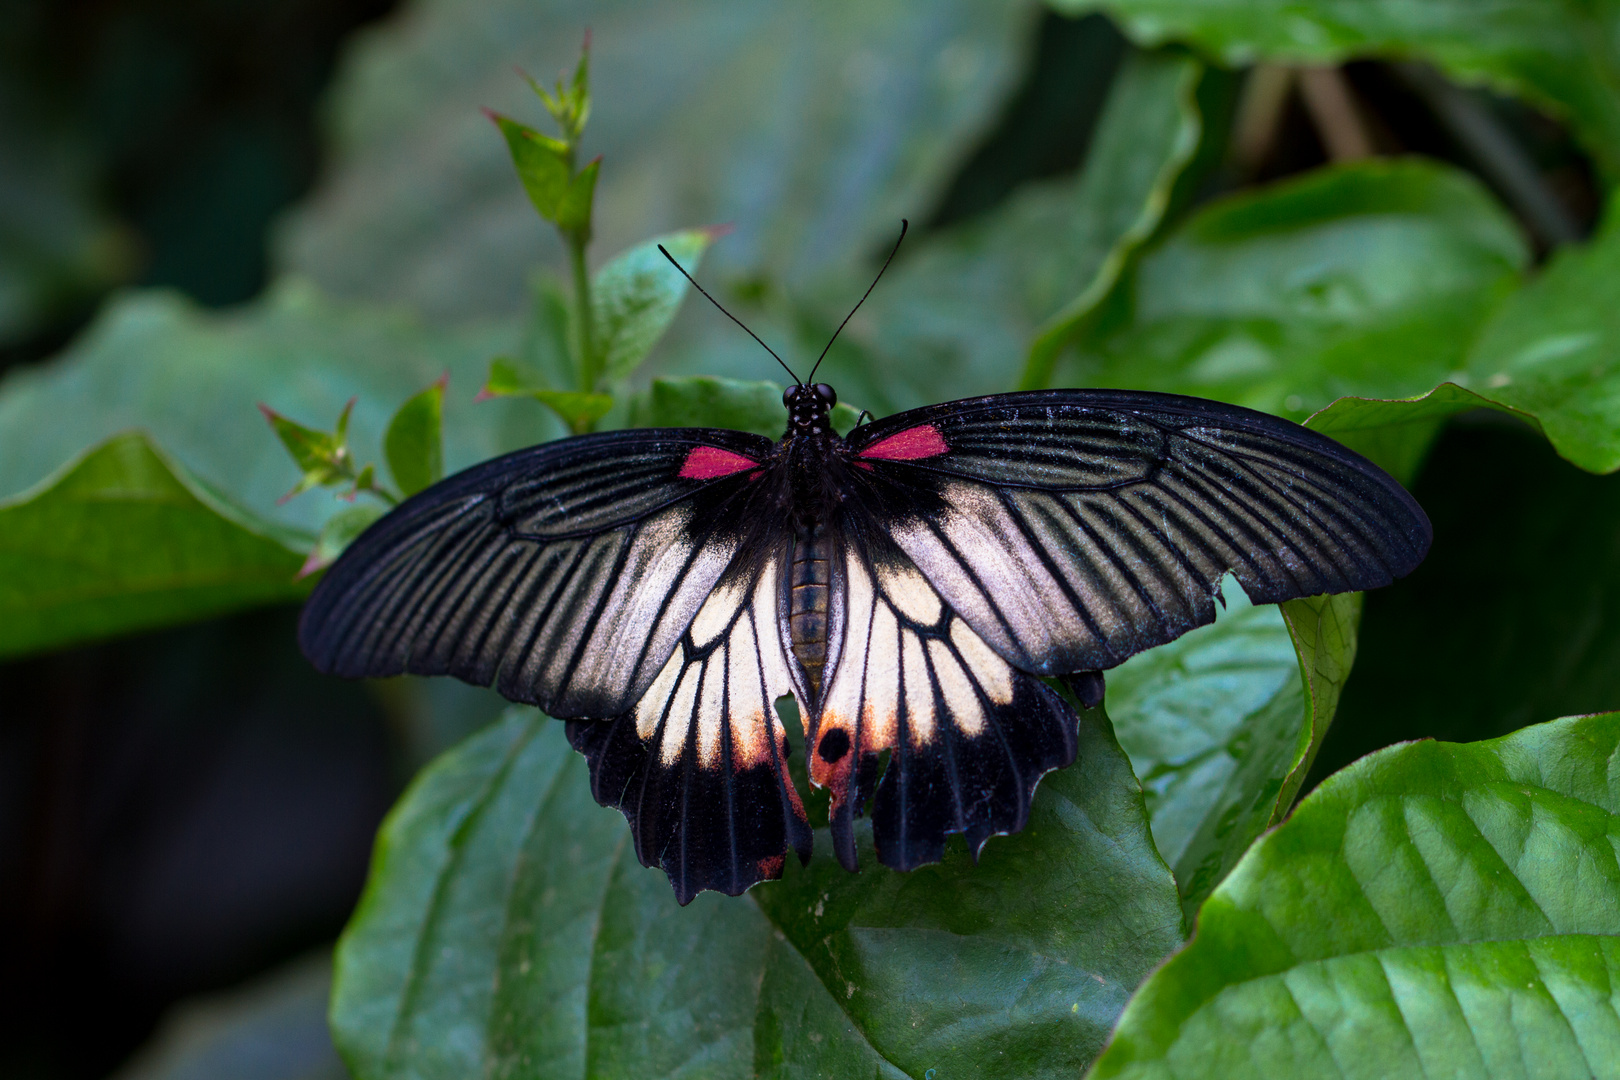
[711, 463]
[923, 441]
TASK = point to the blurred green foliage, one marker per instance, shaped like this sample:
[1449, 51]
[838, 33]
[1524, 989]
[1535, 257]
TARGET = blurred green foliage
[1382, 299]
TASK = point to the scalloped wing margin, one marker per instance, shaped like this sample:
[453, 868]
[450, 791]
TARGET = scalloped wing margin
[699, 766]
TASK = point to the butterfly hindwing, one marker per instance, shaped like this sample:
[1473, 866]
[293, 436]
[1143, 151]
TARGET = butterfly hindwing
[563, 574]
[699, 765]
[1073, 529]
[968, 734]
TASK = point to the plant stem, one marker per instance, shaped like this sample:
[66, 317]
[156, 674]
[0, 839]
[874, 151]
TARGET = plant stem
[584, 340]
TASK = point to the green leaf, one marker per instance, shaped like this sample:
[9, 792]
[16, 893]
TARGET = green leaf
[508, 378]
[312, 451]
[1548, 355]
[574, 211]
[843, 419]
[1436, 909]
[1145, 139]
[414, 442]
[812, 130]
[570, 106]
[542, 165]
[1223, 723]
[1553, 351]
[705, 401]
[1368, 279]
[122, 539]
[191, 377]
[1395, 434]
[341, 529]
[1324, 632]
[1557, 53]
[578, 411]
[636, 295]
[956, 316]
[508, 930]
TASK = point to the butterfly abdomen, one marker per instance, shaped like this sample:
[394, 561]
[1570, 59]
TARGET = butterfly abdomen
[807, 603]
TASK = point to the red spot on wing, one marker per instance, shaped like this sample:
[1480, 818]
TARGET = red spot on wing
[923, 441]
[711, 462]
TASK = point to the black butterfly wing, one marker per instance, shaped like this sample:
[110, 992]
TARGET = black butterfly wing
[969, 734]
[699, 766]
[631, 580]
[1074, 528]
[564, 574]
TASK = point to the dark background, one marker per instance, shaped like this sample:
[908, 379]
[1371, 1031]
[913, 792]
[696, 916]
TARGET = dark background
[182, 809]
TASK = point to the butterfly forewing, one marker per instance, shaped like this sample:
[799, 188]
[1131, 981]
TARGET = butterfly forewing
[563, 575]
[1073, 529]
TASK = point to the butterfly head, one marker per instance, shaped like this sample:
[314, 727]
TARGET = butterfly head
[808, 407]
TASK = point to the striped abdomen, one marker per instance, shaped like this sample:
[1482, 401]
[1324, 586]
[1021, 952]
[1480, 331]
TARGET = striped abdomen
[807, 604]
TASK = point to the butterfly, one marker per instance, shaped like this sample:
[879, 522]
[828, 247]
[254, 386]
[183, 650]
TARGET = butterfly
[914, 586]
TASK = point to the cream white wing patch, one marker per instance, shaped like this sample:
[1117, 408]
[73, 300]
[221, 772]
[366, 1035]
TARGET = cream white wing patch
[1058, 582]
[907, 663]
[969, 734]
[699, 764]
[715, 697]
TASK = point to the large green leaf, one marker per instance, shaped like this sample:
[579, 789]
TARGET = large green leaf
[1370, 279]
[1553, 351]
[1550, 355]
[1222, 725]
[1147, 136]
[813, 129]
[192, 379]
[1515, 614]
[508, 930]
[1560, 54]
[957, 315]
[125, 539]
[1434, 910]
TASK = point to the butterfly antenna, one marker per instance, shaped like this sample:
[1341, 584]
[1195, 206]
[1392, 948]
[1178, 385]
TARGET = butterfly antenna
[728, 314]
[904, 225]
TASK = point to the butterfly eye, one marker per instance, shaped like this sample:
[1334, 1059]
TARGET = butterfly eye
[827, 393]
[788, 396]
